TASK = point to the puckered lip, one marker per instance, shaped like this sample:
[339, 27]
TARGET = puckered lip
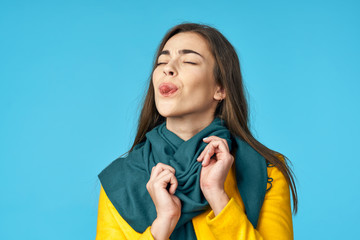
[167, 89]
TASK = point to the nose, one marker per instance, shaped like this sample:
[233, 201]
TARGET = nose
[169, 69]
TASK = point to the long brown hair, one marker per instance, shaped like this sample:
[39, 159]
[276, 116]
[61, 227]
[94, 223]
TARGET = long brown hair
[233, 109]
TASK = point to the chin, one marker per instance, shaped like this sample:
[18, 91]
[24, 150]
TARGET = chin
[166, 114]
[165, 110]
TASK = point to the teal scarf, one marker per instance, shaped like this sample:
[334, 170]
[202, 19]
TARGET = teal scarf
[124, 180]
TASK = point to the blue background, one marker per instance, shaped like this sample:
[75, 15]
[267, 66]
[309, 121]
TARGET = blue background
[73, 73]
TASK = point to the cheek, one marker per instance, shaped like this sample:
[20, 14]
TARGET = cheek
[155, 79]
[202, 84]
[154, 75]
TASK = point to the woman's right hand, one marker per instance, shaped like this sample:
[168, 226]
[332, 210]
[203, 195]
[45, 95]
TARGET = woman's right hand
[168, 206]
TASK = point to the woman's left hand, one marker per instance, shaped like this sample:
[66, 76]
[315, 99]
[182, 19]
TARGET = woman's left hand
[216, 163]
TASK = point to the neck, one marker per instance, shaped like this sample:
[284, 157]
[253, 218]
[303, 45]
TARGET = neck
[186, 127]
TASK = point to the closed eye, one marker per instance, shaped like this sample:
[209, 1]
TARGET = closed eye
[191, 63]
[160, 63]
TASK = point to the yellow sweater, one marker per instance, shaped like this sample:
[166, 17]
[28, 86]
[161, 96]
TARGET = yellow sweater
[275, 219]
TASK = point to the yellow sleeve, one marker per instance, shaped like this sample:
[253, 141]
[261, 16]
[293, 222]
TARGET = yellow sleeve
[275, 219]
[231, 223]
[111, 225]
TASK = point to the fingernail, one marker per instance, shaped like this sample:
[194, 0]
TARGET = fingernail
[205, 138]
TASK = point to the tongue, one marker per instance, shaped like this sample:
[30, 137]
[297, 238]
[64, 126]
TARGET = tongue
[167, 89]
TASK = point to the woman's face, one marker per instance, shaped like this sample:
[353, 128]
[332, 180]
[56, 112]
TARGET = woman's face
[183, 80]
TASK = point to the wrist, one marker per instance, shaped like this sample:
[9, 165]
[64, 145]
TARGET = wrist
[162, 227]
[213, 193]
[217, 200]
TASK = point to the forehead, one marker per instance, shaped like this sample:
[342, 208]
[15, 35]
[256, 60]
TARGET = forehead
[188, 40]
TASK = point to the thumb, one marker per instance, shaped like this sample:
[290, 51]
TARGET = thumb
[176, 200]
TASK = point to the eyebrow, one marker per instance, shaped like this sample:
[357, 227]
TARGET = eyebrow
[182, 51]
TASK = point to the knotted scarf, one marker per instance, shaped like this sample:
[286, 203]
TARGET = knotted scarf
[124, 180]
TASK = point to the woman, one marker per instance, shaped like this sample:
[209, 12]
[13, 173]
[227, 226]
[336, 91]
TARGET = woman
[195, 171]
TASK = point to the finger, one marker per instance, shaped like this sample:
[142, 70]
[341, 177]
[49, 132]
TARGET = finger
[212, 138]
[155, 172]
[221, 145]
[176, 200]
[161, 167]
[173, 184]
[162, 180]
[215, 146]
[201, 156]
[209, 140]
[208, 155]
[163, 173]
[165, 166]
[168, 178]
[210, 152]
